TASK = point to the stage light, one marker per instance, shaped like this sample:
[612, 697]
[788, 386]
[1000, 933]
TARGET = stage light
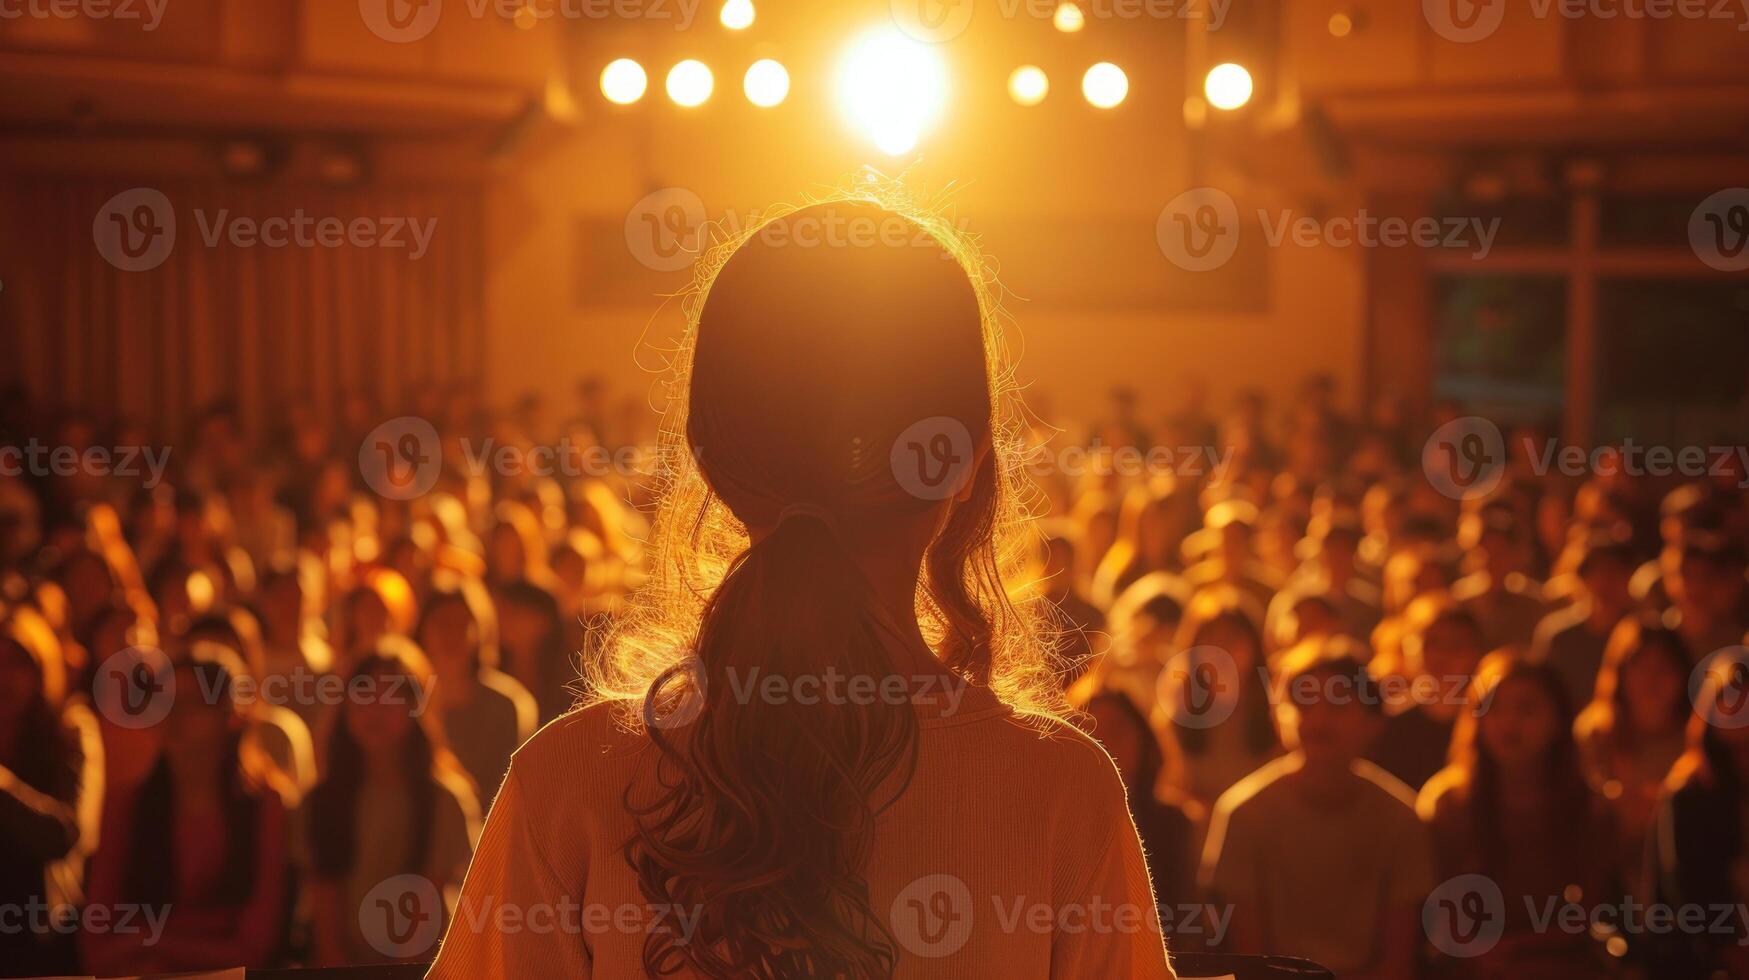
[1069, 18]
[623, 81]
[1228, 86]
[737, 15]
[892, 88]
[1105, 85]
[766, 83]
[689, 83]
[1028, 85]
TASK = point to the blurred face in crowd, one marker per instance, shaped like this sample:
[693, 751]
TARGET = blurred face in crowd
[1519, 725]
[367, 621]
[1711, 587]
[196, 720]
[1324, 717]
[448, 637]
[19, 681]
[382, 723]
[1450, 648]
[1652, 688]
[1228, 635]
[1607, 582]
[504, 553]
[1119, 736]
[282, 606]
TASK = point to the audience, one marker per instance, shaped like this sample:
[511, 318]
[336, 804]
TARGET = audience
[1279, 652]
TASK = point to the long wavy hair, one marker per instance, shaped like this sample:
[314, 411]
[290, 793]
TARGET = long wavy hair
[800, 369]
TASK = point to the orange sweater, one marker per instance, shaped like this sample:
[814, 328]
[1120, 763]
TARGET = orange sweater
[1011, 854]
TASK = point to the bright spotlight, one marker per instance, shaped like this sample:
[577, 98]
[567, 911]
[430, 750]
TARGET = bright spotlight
[766, 83]
[1028, 85]
[737, 15]
[623, 81]
[892, 88]
[689, 83]
[1069, 18]
[1228, 86]
[1105, 85]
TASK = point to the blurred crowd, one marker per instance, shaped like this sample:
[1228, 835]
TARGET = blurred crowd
[1366, 714]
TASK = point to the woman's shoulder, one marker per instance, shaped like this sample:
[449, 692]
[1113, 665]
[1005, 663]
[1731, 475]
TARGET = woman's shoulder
[586, 751]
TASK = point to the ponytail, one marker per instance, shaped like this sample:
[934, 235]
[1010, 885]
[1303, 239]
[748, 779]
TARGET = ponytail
[761, 809]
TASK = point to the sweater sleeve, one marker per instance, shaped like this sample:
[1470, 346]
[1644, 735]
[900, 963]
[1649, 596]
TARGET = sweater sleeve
[1108, 925]
[515, 917]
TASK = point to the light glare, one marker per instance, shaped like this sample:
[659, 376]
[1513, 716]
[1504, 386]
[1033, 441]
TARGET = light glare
[1069, 18]
[690, 83]
[1228, 86]
[623, 81]
[1105, 85]
[766, 83]
[1028, 85]
[737, 15]
[892, 88]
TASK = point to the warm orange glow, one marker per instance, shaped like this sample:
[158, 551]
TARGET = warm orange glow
[1069, 18]
[766, 83]
[1228, 86]
[892, 88]
[737, 15]
[1028, 85]
[623, 81]
[1105, 85]
[690, 83]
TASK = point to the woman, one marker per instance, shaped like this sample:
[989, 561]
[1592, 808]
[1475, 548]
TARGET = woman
[393, 806]
[203, 836]
[847, 510]
[1514, 806]
[1214, 697]
[1635, 727]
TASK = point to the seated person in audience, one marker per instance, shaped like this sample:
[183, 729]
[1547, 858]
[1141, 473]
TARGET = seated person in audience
[1150, 525]
[1214, 697]
[49, 783]
[486, 713]
[292, 640]
[1330, 569]
[1514, 807]
[1708, 592]
[1698, 853]
[1572, 640]
[1166, 822]
[1320, 852]
[204, 839]
[1635, 727]
[1083, 622]
[273, 726]
[1144, 623]
[1505, 600]
[1226, 556]
[393, 802]
[532, 647]
[1441, 646]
